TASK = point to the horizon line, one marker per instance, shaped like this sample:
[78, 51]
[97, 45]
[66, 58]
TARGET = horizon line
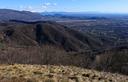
[82, 12]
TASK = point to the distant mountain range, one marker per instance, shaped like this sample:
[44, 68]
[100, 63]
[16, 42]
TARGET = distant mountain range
[83, 15]
[99, 14]
[8, 14]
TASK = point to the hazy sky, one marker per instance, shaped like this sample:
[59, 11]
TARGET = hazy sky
[109, 6]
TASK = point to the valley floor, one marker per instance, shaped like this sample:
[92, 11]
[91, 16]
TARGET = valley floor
[50, 73]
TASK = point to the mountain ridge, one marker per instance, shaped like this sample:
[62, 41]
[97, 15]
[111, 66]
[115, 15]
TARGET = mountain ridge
[9, 14]
[49, 32]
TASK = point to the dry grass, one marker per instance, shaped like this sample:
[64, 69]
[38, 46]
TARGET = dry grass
[50, 73]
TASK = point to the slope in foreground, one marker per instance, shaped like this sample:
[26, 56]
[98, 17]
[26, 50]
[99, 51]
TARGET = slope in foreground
[49, 73]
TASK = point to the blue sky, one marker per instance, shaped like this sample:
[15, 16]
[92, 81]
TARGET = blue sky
[104, 6]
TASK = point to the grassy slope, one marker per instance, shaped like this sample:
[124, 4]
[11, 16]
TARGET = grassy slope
[48, 73]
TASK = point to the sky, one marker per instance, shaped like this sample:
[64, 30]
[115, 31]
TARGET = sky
[102, 6]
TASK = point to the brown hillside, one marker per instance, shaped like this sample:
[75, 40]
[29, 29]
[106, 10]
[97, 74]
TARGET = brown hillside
[39, 33]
